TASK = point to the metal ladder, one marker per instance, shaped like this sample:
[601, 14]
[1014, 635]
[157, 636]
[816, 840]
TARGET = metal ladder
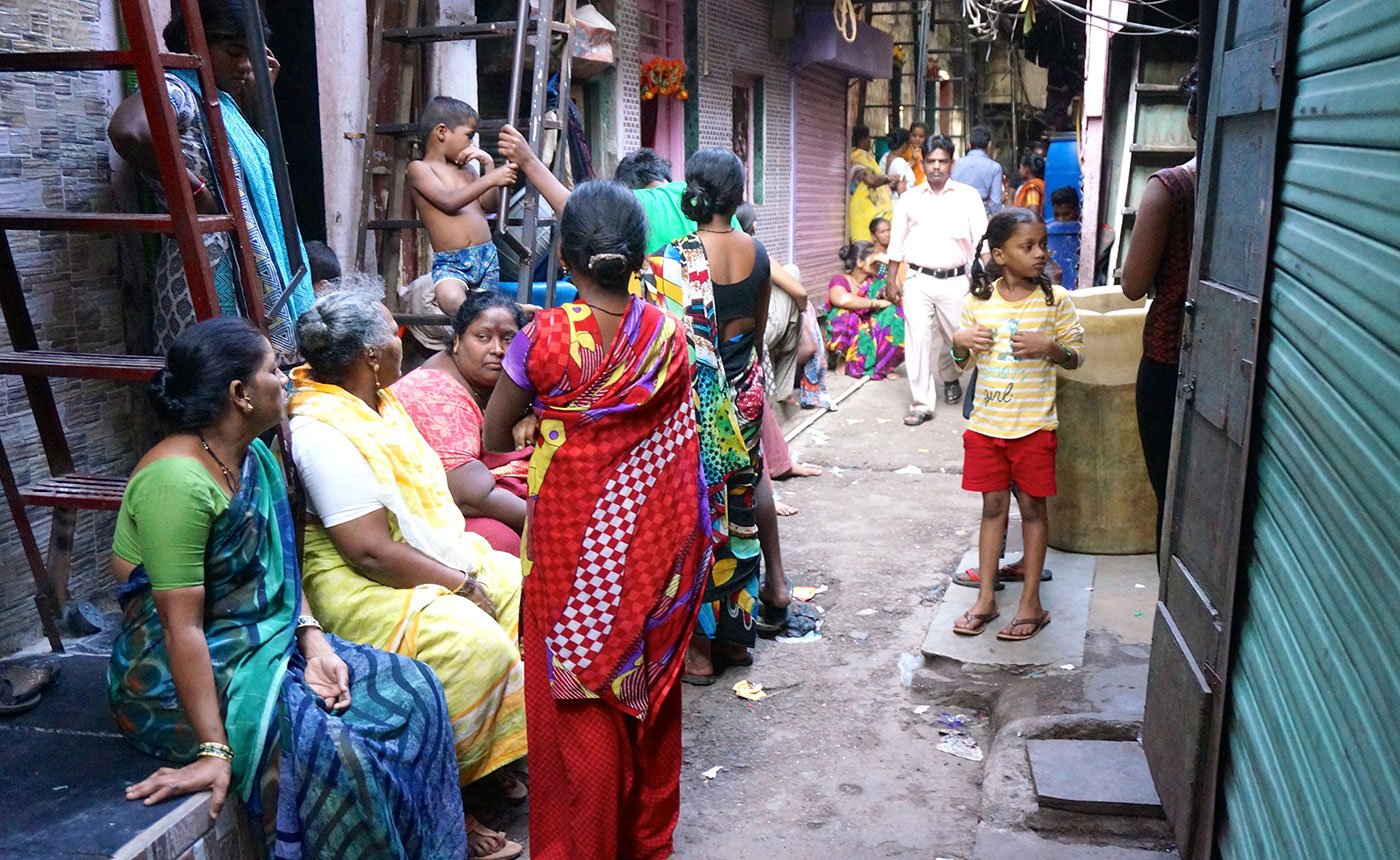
[66, 491]
[400, 133]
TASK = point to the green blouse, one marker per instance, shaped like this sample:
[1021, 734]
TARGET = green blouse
[167, 511]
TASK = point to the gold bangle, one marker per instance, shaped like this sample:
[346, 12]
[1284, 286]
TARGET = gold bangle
[213, 749]
[468, 583]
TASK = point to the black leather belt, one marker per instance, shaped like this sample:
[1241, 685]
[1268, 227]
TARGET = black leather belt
[939, 273]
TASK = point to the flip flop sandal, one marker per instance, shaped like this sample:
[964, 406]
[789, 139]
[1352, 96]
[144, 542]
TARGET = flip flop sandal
[25, 681]
[722, 663]
[13, 707]
[981, 620]
[1040, 623]
[916, 417]
[697, 680]
[795, 620]
[970, 579]
[508, 851]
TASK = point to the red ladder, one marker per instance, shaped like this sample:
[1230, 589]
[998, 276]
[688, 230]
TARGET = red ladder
[65, 490]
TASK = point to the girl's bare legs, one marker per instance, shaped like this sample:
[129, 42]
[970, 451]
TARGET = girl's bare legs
[1035, 535]
[995, 508]
[775, 590]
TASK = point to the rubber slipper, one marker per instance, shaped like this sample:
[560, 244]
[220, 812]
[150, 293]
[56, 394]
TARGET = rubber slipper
[916, 417]
[12, 707]
[795, 620]
[722, 663]
[697, 680]
[970, 579]
[26, 681]
[1040, 623]
[981, 620]
[508, 851]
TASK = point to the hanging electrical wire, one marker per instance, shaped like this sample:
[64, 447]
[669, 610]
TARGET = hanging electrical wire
[1132, 28]
[984, 18]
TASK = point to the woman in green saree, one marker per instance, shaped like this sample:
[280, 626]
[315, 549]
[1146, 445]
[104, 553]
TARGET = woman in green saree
[219, 664]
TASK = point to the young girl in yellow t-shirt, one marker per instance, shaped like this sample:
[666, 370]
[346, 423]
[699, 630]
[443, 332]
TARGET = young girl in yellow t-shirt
[1016, 329]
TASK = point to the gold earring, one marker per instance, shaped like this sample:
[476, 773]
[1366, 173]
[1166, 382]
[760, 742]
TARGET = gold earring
[247, 406]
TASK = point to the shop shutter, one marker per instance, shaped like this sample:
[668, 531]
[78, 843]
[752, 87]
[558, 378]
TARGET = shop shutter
[1313, 760]
[819, 197]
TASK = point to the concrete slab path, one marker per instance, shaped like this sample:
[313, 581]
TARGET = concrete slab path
[1060, 642]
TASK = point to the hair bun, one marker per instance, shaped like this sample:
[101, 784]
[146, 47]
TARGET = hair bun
[609, 267]
[168, 407]
[696, 203]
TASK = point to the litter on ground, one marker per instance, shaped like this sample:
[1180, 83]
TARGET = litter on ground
[911, 469]
[805, 593]
[713, 772]
[747, 689]
[961, 746]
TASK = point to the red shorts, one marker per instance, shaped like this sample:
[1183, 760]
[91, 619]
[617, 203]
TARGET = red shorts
[991, 465]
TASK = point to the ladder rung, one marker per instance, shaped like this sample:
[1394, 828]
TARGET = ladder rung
[422, 319]
[410, 129]
[89, 492]
[464, 32]
[81, 365]
[104, 222]
[414, 224]
[85, 61]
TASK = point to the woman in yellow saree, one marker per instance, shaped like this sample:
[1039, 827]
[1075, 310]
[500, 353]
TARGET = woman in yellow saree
[387, 561]
[868, 187]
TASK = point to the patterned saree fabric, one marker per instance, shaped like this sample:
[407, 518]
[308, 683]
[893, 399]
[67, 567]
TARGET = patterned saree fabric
[385, 788]
[474, 656]
[678, 280]
[870, 341]
[257, 196]
[615, 545]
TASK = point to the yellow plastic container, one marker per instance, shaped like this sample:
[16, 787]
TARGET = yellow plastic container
[1105, 503]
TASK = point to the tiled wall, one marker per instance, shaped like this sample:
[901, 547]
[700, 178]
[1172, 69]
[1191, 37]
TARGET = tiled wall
[54, 154]
[734, 45]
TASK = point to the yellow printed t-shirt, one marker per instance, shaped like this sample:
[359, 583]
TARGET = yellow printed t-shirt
[1016, 397]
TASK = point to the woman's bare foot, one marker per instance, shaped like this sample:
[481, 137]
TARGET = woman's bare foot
[799, 470]
[483, 843]
[699, 668]
[783, 509]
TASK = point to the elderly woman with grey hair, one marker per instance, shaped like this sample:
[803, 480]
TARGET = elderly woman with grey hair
[387, 561]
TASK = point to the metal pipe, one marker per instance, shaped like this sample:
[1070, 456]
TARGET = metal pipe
[266, 107]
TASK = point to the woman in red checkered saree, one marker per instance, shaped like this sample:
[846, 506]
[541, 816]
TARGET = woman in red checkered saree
[616, 548]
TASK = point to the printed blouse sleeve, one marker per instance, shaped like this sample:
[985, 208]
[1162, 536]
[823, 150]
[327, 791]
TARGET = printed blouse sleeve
[517, 360]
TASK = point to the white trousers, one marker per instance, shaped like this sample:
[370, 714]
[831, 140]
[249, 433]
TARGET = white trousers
[932, 312]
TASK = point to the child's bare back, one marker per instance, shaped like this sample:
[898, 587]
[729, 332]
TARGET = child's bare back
[451, 201]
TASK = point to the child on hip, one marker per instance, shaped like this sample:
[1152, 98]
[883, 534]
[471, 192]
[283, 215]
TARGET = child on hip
[452, 201]
[1017, 328]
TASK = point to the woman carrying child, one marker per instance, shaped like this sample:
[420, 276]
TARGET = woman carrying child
[1017, 329]
[616, 543]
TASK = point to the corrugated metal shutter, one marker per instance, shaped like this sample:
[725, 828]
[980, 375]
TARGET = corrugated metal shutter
[820, 152]
[1313, 753]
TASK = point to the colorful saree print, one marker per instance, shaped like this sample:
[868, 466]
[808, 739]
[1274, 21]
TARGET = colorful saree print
[870, 341]
[473, 655]
[679, 281]
[385, 788]
[616, 546]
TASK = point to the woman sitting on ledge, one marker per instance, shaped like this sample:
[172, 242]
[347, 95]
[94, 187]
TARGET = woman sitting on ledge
[219, 663]
[388, 561]
[445, 398]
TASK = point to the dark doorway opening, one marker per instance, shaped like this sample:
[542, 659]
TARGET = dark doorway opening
[293, 24]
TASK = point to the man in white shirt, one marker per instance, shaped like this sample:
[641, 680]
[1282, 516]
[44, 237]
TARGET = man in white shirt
[937, 225]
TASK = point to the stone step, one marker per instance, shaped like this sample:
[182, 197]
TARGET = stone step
[1093, 777]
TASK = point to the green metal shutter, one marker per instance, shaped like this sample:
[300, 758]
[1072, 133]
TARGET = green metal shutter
[1313, 744]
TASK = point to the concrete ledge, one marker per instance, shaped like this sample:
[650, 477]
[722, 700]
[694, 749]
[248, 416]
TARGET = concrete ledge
[1009, 796]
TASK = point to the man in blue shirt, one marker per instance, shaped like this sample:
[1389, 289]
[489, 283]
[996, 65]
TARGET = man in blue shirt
[980, 170]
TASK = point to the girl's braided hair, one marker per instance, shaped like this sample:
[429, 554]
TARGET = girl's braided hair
[1000, 229]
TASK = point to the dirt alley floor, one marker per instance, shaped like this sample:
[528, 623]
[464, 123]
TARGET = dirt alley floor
[836, 763]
